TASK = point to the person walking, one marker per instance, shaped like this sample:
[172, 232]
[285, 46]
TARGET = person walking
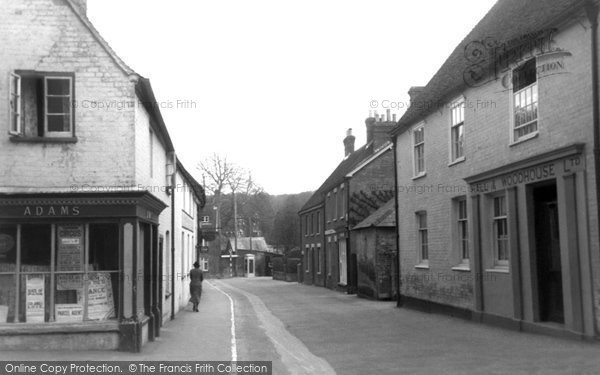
[196, 278]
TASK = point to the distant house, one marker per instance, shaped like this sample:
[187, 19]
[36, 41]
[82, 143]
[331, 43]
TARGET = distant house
[358, 186]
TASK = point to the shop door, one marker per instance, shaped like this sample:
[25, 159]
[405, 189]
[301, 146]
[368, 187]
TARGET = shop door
[550, 295]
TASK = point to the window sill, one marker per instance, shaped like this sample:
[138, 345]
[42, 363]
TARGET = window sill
[17, 139]
[54, 327]
[422, 266]
[419, 176]
[525, 138]
[498, 270]
[457, 161]
[462, 268]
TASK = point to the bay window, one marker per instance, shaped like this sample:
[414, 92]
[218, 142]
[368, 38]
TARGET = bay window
[58, 272]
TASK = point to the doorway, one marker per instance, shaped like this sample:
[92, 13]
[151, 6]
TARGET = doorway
[549, 268]
[249, 265]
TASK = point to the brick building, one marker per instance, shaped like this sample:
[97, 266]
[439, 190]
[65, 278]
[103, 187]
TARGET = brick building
[359, 185]
[497, 177]
[96, 212]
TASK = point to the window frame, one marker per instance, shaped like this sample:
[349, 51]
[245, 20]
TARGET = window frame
[14, 93]
[58, 134]
[342, 202]
[335, 204]
[462, 231]
[418, 173]
[454, 106]
[496, 219]
[513, 125]
[422, 245]
[52, 136]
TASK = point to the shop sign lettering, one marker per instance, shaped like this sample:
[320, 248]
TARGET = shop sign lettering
[51, 211]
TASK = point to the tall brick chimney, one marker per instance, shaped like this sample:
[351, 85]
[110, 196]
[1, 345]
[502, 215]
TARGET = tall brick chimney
[349, 143]
[379, 127]
[414, 91]
[82, 5]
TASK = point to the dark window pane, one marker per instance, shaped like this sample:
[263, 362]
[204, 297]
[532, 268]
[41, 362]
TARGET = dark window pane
[8, 248]
[35, 248]
[59, 123]
[59, 86]
[58, 105]
[524, 75]
[104, 247]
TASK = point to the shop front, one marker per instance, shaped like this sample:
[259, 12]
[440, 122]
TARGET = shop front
[531, 245]
[79, 271]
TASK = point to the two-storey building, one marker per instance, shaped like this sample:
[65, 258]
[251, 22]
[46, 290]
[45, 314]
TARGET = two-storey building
[88, 185]
[497, 173]
[358, 186]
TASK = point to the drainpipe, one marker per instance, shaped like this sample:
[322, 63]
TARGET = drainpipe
[173, 181]
[398, 283]
[592, 14]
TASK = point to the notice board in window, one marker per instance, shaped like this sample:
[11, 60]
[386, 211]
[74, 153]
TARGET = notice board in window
[35, 298]
[69, 252]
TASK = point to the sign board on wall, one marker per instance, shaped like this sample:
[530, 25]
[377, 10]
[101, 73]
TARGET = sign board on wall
[70, 248]
[34, 298]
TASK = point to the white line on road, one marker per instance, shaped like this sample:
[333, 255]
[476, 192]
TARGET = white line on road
[233, 339]
[294, 354]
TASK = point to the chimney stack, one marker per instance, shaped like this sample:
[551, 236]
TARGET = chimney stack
[349, 142]
[414, 91]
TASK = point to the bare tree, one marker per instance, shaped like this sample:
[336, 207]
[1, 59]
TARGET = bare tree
[221, 177]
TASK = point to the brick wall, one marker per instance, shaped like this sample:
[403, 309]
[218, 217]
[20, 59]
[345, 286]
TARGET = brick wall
[565, 111]
[46, 35]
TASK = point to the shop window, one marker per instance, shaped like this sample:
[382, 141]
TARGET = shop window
[500, 231]
[525, 104]
[204, 265]
[41, 105]
[74, 279]
[8, 281]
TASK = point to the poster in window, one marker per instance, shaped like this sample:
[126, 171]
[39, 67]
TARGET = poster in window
[70, 248]
[69, 312]
[34, 298]
[100, 297]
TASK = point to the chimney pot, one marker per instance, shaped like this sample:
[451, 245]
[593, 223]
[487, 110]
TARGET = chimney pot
[387, 115]
[349, 142]
[394, 117]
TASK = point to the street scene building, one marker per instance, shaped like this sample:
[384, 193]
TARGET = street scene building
[97, 227]
[359, 185]
[461, 237]
[497, 176]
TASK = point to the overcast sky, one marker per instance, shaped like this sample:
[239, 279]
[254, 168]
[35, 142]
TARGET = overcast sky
[274, 84]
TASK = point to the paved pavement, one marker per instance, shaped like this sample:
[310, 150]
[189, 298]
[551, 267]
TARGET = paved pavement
[311, 330]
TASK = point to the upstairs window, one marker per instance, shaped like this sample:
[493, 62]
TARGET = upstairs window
[525, 95]
[419, 150]
[457, 122]
[205, 219]
[41, 105]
